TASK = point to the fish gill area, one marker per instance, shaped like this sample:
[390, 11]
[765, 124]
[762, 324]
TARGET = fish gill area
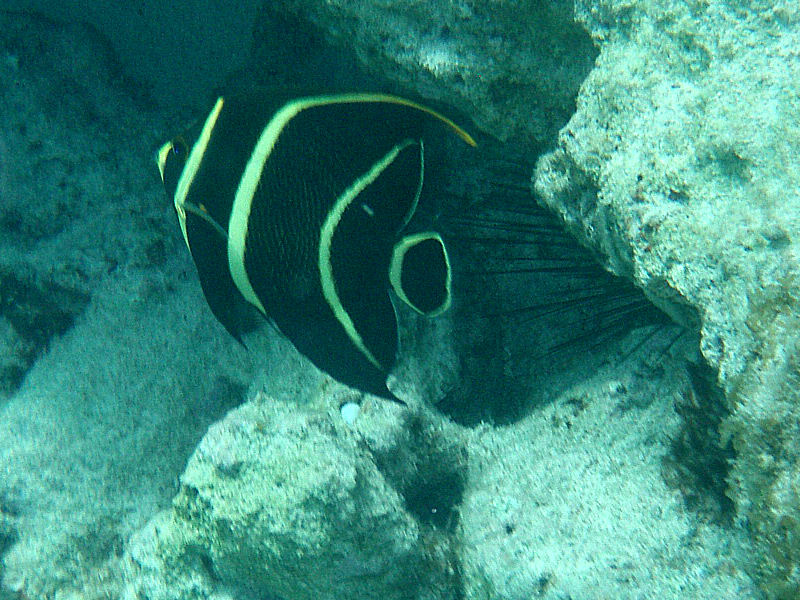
[610, 410]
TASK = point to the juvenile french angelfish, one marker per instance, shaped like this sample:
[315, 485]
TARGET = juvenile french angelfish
[299, 207]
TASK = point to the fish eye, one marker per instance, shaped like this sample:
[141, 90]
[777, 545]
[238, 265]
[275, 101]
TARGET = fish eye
[179, 147]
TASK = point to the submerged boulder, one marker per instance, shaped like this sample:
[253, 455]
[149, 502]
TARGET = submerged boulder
[681, 168]
[287, 502]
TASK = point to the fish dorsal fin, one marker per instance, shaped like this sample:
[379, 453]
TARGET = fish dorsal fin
[420, 273]
[459, 131]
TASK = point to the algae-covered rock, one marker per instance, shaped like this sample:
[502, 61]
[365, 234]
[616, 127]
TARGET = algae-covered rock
[765, 429]
[680, 165]
[290, 503]
[681, 168]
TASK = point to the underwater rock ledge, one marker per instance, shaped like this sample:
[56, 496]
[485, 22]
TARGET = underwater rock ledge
[681, 168]
[513, 67]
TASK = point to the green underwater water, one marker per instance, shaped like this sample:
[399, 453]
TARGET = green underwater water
[608, 410]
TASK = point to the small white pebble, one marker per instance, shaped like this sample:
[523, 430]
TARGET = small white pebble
[349, 412]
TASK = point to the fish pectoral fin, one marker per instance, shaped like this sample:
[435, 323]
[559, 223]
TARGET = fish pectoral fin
[202, 212]
[420, 273]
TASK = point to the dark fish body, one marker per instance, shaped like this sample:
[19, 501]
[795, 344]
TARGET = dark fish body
[300, 207]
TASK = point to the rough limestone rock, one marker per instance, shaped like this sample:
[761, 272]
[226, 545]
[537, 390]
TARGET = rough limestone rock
[279, 501]
[681, 168]
[570, 503]
[490, 59]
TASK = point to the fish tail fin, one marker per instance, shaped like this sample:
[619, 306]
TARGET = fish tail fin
[420, 273]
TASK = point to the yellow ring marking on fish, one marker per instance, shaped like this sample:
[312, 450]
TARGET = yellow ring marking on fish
[396, 270]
